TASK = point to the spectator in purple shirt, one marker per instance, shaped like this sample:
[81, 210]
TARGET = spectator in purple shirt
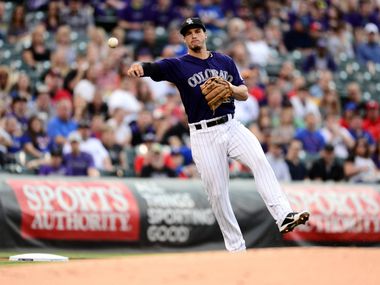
[164, 13]
[365, 13]
[132, 19]
[106, 13]
[311, 137]
[19, 111]
[79, 163]
[320, 59]
[55, 165]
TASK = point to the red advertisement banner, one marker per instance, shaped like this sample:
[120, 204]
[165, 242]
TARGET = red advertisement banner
[338, 212]
[74, 210]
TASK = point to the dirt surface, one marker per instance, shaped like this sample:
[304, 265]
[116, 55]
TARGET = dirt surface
[306, 266]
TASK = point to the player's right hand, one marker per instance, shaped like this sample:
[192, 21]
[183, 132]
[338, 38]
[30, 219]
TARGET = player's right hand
[136, 70]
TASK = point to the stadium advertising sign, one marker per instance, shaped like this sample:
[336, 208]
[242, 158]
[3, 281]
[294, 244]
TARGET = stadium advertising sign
[174, 217]
[338, 212]
[74, 210]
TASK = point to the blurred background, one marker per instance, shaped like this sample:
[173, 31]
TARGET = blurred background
[312, 69]
[67, 108]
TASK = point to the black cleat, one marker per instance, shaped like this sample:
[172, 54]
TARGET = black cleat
[292, 220]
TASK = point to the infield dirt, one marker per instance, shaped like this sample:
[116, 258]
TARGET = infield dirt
[306, 266]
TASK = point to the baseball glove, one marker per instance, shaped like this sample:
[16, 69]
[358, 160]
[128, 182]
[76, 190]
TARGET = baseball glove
[216, 90]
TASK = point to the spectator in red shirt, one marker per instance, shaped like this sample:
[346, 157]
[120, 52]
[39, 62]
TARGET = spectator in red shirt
[371, 123]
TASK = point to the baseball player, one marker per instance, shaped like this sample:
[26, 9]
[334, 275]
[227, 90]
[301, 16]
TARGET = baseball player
[208, 83]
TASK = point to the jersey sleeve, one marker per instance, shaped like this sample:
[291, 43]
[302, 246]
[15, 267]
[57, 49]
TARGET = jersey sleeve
[237, 79]
[168, 70]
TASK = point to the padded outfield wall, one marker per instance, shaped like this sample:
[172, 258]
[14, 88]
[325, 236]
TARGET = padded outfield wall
[173, 214]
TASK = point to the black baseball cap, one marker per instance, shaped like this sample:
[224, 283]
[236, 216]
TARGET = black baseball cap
[191, 23]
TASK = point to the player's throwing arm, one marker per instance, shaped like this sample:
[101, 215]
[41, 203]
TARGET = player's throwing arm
[136, 70]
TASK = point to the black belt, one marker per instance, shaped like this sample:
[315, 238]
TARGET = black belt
[218, 121]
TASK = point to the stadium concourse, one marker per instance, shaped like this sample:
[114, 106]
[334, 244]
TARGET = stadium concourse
[312, 69]
[298, 266]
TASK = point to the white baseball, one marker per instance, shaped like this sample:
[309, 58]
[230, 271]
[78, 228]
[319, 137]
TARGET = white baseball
[113, 42]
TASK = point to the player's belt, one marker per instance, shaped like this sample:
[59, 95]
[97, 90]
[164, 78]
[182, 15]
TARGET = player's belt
[218, 121]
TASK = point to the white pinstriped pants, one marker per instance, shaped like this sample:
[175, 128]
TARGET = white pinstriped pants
[211, 148]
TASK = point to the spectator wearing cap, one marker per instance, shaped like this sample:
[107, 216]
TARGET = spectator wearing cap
[369, 51]
[61, 125]
[320, 59]
[349, 110]
[327, 166]
[77, 162]
[371, 122]
[182, 168]
[92, 146]
[55, 165]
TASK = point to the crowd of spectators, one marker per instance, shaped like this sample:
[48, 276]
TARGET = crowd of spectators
[68, 108]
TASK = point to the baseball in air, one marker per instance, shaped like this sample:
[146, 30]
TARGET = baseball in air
[113, 42]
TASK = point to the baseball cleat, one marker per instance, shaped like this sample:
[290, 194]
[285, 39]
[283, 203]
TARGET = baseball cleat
[292, 220]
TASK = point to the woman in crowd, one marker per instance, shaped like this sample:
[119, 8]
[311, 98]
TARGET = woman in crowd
[359, 167]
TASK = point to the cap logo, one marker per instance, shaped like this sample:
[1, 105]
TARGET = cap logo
[189, 21]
